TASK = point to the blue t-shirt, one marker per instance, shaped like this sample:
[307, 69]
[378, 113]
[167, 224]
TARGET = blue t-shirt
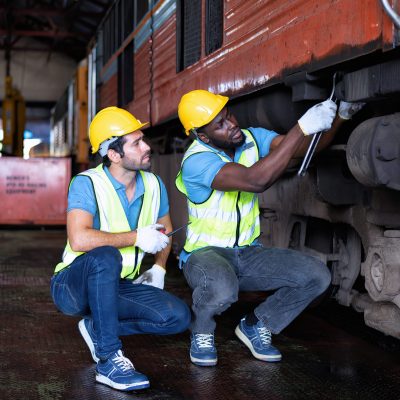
[200, 169]
[81, 196]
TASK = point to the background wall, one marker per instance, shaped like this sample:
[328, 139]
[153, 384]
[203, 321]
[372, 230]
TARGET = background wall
[41, 76]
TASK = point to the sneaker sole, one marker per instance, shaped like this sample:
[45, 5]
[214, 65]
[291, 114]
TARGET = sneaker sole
[204, 363]
[87, 339]
[122, 386]
[262, 357]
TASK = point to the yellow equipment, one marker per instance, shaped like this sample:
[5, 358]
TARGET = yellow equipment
[199, 107]
[13, 119]
[111, 122]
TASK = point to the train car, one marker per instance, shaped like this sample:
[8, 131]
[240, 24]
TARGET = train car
[69, 121]
[274, 59]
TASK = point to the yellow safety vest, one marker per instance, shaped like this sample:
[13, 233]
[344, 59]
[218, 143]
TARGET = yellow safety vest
[113, 217]
[225, 219]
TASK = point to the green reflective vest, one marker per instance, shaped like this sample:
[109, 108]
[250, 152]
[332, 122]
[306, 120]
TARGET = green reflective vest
[113, 217]
[225, 219]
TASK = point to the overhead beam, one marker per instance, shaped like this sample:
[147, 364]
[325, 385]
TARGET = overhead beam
[19, 32]
[41, 49]
[49, 12]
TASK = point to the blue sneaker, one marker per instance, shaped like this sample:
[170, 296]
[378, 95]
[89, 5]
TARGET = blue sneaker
[119, 373]
[86, 329]
[258, 339]
[202, 349]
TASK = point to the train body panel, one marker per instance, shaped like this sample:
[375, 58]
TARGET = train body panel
[164, 67]
[263, 41]
[109, 91]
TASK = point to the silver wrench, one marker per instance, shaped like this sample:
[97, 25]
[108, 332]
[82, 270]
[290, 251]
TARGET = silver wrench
[314, 141]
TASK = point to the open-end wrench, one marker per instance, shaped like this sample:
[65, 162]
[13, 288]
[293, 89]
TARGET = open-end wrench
[314, 141]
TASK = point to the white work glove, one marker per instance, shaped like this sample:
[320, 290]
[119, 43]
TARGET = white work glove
[318, 118]
[153, 277]
[150, 239]
[347, 110]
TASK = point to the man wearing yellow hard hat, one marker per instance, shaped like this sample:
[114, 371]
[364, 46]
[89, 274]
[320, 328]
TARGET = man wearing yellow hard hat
[117, 212]
[220, 174]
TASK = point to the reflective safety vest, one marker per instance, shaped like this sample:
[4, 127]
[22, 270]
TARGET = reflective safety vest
[113, 217]
[225, 219]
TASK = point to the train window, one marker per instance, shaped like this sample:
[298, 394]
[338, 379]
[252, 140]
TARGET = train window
[118, 18]
[214, 25]
[112, 31]
[111, 40]
[116, 27]
[188, 33]
[142, 6]
[125, 75]
[128, 17]
[106, 41]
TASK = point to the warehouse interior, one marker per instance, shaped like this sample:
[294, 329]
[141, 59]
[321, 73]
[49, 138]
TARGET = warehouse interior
[54, 77]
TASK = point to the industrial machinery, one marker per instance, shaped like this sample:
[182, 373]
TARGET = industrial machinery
[69, 121]
[13, 117]
[34, 191]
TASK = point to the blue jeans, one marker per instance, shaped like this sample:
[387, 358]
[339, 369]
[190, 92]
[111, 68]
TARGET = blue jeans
[216, 275]
[91, 287]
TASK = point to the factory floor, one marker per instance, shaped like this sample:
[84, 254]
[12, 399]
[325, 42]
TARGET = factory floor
[328, 353]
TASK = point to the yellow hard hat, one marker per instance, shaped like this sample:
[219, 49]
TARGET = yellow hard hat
[111, 122]
[199, 107]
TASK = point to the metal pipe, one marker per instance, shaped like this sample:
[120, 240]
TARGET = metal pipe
[392, 14]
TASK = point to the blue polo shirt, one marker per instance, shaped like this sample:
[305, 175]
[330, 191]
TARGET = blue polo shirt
[81, 196]
[200, 169]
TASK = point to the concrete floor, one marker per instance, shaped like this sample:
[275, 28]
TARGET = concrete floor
[327, 352]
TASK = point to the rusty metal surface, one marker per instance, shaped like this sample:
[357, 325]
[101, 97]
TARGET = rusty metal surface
[34, 191]
[42, 355]
[262, 42]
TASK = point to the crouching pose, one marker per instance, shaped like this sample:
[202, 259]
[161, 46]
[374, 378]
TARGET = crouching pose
[221, 173]
[116, 214]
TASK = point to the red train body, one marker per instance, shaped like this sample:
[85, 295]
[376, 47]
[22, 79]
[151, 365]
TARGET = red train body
[263, 43]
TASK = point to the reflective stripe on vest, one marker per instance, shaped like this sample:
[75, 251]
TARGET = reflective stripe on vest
[225, 219]
[113, 217]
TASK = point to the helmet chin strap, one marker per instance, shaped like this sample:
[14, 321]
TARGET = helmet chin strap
[103, 148]
[194, 131]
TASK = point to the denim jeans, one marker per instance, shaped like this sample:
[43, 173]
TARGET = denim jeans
[216, 275]
[91, 287]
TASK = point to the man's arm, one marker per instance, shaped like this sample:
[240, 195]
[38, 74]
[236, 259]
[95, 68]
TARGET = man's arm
[156, 274]
[161, 257]
[266, 171]
[261, 175]
[82, 236]
[324, 142]
[345, 112]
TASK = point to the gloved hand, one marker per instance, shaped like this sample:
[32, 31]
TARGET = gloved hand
[318, 118]
[153, 277]
[347, 110]
[150, 239]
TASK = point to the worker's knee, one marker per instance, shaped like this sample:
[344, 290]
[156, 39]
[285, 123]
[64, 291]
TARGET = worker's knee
[218, 294]
[180, 318]
[106, 260]
[319, 277]
[323, 278]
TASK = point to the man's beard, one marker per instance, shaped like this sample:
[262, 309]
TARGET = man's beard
[142, 166]
[222, 144]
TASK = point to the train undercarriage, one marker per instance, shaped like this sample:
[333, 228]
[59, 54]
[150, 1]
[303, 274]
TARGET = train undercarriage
[346, 209]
